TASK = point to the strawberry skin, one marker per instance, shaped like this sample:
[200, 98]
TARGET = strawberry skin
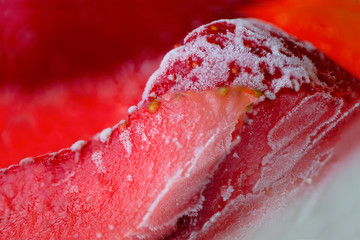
[189, 163]
[286, 139]
[122, 183]
[60, 60]
[330, 25]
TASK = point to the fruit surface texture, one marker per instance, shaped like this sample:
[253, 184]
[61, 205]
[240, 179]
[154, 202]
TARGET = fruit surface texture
[230, 128]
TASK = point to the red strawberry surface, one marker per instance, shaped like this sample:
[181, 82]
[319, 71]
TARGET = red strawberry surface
[71, 68]
[121, 183]
[54, 116]
[54, 47]
[331, 25]
[187, 165]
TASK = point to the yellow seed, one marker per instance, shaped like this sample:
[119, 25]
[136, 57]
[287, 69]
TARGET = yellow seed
[172, 77]
[214, 28]
[249, 107]
[222, 91]
[257, 93]
[248, 45]
[153, 106]
[235, 71]
[122, 125]
[177, 97]
[177, 45]
[195, 64]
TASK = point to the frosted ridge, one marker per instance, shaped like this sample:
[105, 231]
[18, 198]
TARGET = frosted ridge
[214, 68]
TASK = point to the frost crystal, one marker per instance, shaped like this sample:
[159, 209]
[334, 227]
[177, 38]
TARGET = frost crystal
[287, 69]
[105, 135]
[132, 109]
[77, 145]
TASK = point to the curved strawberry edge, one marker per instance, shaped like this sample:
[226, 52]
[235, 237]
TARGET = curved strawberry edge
[346, 88]
[248, 53]
[324, 77]
[247, 193]
[67, 160]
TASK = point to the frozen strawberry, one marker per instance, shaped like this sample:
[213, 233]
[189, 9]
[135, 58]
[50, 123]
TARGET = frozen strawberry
[190, 163]
[287, 140]
[63, 62]
[54, 116]
[123, 183]
[330, 25]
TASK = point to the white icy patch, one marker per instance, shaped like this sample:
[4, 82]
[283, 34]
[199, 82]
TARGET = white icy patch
[302, 118]
[198, 153]
[125, 139]
[308, 180]
[176, 141]
[330, 212]
[132, 109]
[129, 178]
[105, 135]
[226, 191]
[166, 189]
[26, 161]
[97, 159]
[77, 145]
[214, 68]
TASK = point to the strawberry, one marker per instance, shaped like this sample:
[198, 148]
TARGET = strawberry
[65, 61]
[54, 116]
[190, 162]
[329, 25]
[298, 83]
[122, 183]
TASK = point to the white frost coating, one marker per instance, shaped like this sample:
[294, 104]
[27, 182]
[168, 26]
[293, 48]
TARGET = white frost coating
[105, 135]
[226, 193]
[198, 153]
[331, 125]
[330, 212]
[234, 143]
[215, 216]
[298, 121]
[235, 155]
[97, 159]
[132, 109]
[26, 161]
[125, 139]
[129, 178]
[308, 180]
[77, 145]
[285, 131]
[214, 68]
[176, 141]
[167, 187]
